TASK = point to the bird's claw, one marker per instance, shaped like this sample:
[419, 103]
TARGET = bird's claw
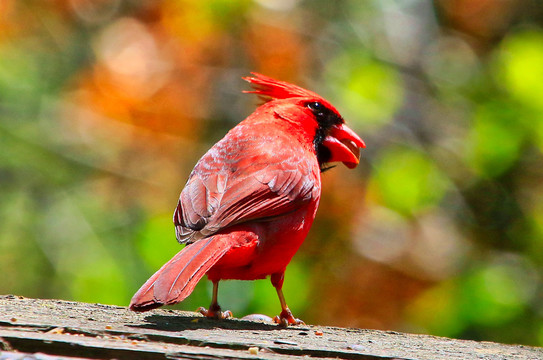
[286, 318]
[215, 313]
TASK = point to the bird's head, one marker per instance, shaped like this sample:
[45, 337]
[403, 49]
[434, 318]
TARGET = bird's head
[333, 140]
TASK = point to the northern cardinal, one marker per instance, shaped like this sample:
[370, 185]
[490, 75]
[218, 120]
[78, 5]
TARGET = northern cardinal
[250, 200]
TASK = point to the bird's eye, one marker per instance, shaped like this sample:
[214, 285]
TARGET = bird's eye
[315, 106]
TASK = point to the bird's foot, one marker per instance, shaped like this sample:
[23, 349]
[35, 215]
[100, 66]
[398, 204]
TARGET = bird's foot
[286, 318]
[215, 312]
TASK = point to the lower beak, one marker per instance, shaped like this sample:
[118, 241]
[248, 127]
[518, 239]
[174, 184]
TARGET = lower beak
[344, 145]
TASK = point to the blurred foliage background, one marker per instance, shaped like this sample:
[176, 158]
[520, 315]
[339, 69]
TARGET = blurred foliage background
[105, 107]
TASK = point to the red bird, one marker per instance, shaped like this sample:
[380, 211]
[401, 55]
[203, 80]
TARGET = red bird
[250, 200]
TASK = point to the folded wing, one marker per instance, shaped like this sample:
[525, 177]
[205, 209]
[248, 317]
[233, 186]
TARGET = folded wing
[229, 187]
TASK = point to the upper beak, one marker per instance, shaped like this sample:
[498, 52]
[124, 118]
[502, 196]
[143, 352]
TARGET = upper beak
[344, 145]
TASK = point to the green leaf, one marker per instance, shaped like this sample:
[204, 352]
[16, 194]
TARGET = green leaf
[367, 92]
[519, 67]
[408, 181]
[495, 139]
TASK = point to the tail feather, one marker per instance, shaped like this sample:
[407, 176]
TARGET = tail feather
[176, 280]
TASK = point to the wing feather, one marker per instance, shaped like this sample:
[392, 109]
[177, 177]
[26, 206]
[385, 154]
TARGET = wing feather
[231, 185]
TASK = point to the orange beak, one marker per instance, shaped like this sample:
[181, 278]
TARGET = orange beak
[344, 145]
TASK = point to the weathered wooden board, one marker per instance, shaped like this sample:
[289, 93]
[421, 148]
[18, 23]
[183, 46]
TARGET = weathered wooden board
[71, 329]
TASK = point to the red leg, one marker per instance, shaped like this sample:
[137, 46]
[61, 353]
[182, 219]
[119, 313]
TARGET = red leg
[214, 309]
[285, 318]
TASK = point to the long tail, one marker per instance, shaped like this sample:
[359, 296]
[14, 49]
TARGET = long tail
[174, 281]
